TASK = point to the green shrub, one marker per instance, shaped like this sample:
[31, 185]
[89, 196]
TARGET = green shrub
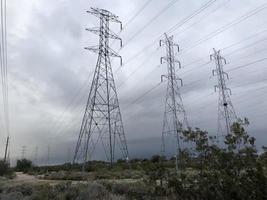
[24, 165]
[3, 168]
[136, 190]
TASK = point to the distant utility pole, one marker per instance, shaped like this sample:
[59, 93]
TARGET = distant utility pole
[36, 156]
[69, 155]
[48, 155]
[175, 119]
[23, 152]
[6, 149]
[102, 118]
[226, 112]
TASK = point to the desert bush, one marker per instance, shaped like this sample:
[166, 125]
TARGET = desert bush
[25, 190]
[94, 191]
[263, 157]
[12, 196]
[66, 175]
[3, 168]
[229, 172]
[24, 165]
[130, 190]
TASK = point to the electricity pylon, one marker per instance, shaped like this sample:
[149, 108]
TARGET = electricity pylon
[226, 112]
[23, 152]
[175, 119]
[102, 119]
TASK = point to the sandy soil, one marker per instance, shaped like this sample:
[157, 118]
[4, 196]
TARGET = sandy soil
[26, 179]
[20, 177]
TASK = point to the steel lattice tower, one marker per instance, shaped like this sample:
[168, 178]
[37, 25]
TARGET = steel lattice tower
[175, 119]
[102, 119]
[226, 112]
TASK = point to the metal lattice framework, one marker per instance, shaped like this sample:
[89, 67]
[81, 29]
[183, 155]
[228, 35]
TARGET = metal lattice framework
[226, 112]
[175, 119]
[102, 121]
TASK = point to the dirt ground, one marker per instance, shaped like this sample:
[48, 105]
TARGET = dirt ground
[22, 178]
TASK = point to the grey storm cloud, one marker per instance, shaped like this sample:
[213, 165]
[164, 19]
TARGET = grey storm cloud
[50, 72]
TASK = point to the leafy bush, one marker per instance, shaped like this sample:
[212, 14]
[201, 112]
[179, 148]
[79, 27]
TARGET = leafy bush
[25, 190]
[131, 190]
[24, 165]
[229, 172]
[66, 175]
[63, 191]
[3, 168]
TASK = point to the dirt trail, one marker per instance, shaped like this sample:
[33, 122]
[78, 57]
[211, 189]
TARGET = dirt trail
[20, 177]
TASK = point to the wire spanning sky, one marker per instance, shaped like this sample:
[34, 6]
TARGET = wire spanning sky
[50, 72]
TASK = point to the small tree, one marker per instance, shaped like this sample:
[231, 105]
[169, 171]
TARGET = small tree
[233, 171]
[24, 165]
[263, 156]
[3, 168]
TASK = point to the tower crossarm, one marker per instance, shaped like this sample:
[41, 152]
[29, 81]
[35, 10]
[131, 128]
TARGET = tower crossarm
[110, 34]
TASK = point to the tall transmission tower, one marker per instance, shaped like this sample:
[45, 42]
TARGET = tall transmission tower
[102, 119]
[175, 119]
[23, 152]
[226, 112]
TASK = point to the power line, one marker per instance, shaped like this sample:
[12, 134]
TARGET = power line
[136, 14]
[233, 69]
[194, 82]
[245, 39]
[203, 17]
[247, 46]
[226, 27]
[231, 45]
[248, 64]
[179, 24]
[209, 36]
[204, 64]
[132, 19]
[71, 102]
[143, 94]
[230, 53]
[150, 21]
[195, 13]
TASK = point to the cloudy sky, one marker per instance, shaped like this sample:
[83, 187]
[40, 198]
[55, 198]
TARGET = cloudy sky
[50, 72]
